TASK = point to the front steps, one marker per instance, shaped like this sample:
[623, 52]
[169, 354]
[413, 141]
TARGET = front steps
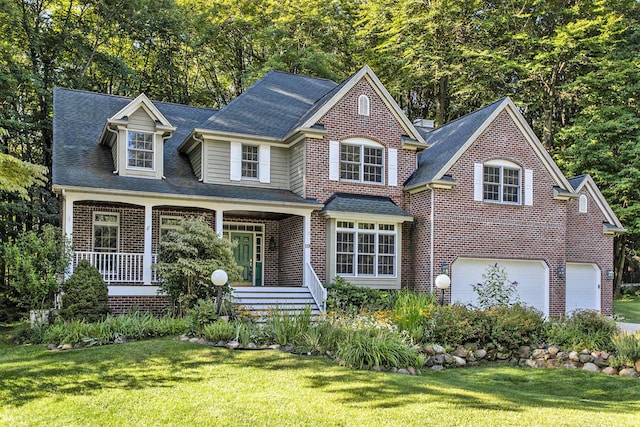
[259, 299]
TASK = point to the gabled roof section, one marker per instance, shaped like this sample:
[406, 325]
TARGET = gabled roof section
[358, 206]
[271, 107]
[585, 181]
[336, 95]
[451, 141]
[141, 101]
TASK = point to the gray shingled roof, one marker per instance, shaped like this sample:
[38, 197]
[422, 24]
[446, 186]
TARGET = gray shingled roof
[576, 181]
[372, 205]
[445, 142]
[79, 160]
[272, 107]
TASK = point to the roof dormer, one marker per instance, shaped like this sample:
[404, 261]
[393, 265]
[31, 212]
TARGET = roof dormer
[136, 135]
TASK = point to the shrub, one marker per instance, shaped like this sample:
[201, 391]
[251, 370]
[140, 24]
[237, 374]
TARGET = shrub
[368, 348]
[583, 329]
[515, 326]
[203, 313]
[496, 289]
[627, 347]
[219, 331]
[85, 295]
[456, 324]
[411, 312]
[343, 296]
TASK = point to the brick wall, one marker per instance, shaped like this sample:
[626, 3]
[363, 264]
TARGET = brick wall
[291, 249]
[131, 237]
[157, 305]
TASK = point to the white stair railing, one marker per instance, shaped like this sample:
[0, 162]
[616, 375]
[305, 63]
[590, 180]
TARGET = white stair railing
[314, 285]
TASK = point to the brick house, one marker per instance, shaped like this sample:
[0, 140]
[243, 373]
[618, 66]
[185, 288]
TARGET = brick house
[315, 179]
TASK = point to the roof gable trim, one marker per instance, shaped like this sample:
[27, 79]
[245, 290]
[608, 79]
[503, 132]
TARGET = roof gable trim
[142, 101]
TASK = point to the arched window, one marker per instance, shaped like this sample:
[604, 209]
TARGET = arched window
[502, 182]
[363, 105]
[362, 160]
[583, 204]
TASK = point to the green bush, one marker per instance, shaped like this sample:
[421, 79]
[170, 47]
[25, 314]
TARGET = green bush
[515, 326]
[85, 295]
[368, 348]
[219, 331]
[456, 324]
[343, 296]
[203, 313]
[583, 329]
[496, 289]
[411, 312]
[286, 329]
[627, 347]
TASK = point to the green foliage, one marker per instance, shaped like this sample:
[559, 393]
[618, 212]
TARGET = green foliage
[17, 176]
[456, 324]
[85, 294]
[219, 331]
[186, 259]
[343, 296]
[627, 347]
[287, 329]
[515, 326]
[35, 263]
[411, 312]
[368, 348]
[583, 329]
[495, 289]
[203, 313]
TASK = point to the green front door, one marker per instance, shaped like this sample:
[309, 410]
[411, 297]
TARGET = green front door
[243, 253]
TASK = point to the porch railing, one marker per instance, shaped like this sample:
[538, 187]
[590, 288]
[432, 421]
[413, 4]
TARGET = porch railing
[318, 291]
[117, 267]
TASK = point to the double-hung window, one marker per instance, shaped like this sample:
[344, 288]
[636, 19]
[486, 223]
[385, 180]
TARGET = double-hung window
[250, 161]
[362, 163]
[502, 184]
[140, 150]
[169, 223]
[366, 249]
[106, 230]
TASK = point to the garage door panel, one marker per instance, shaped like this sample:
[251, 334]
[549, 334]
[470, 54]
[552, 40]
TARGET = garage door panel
[531, 278]
[582, 287]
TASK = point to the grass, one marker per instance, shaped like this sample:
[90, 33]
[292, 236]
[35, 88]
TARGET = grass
[629, 310]
[166, 382]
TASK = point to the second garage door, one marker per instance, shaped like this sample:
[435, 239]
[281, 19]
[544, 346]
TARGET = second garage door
[532, 278]
[583, 287]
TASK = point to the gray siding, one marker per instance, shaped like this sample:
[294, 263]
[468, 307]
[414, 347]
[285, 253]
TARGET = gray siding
[114, 154]
[140, 120]
[195, 157]
[217, 168]
[297, 168]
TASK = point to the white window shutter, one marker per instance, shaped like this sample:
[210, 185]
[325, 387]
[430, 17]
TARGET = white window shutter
[334, 160]
[235, 161]
[264, 166]
[528, 187]
[393, 167]
[478, 172]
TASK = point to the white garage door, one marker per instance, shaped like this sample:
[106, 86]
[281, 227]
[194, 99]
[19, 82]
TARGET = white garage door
[532, 278]
[583, 287]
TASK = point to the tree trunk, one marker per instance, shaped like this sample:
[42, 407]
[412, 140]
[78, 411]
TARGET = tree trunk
[619, 248]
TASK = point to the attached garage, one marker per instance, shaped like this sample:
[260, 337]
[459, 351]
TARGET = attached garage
[532, 278]
[583, 287]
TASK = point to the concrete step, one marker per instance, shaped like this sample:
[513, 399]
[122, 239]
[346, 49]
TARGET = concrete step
[283, 298]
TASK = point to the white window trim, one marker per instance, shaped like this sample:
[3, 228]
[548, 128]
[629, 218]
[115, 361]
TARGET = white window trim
[583, 204]
[256, 162]
[364, 105]
[362, 143]
[153, 151]
[355, 230]
[502, 165]
[105, 223]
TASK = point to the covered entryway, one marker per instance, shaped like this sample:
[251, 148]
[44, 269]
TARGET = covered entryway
[583, 287]
[532, 278]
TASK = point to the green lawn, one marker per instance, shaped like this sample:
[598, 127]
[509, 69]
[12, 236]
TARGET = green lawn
[629, 310]
[166, 382]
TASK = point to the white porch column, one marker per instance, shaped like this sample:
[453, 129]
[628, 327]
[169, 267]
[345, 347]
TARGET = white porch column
[219, 214]
[147, 258]
[67, 225]
[307, 246]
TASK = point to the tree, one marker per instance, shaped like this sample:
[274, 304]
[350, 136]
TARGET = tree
[17, 176]
[85, 294]
[186, 259]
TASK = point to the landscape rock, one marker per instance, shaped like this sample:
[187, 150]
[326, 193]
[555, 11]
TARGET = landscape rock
[184, 338]
[202, 341]
[480, 353]
[411, 370]
[251, 346]
[627, 372]
[553, 363]
[570, 365]
[65, 347]
[591, 367]
[525, 352]
[274, 347]
[637, 365]
[574, 356]
[609, 370]
[438, 359]
[538, 353]
[429, 350]
[585, 358]
[600, 362]
[52, 347]
[530, 363]
[459, 361]
[503, 355]
[553, 350]
[233, 345]
[438, 349]
[194, 339]
[448, 359]
[437, 367]
[460, 352]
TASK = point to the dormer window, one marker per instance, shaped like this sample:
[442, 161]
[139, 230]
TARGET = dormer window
[140, 150]
[363, 105]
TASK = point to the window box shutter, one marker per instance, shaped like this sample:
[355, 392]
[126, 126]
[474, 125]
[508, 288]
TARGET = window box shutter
[235, 161]
[528, 187]
[264, 167]
[393, 167]
[478, 171]
[334, 160]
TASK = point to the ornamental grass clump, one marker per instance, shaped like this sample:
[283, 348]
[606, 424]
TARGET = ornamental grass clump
[371, 348]
[627, 348]
[583, 329]
[412, 311]
[219, 331]
[286, 328]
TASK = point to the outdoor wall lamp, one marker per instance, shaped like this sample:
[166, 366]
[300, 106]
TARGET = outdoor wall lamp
[561, 272]
[442, 282]
[609, 274]
[444, 268]
[273, 245]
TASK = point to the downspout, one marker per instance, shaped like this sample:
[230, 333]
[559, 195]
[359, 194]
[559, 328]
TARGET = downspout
[432, 240]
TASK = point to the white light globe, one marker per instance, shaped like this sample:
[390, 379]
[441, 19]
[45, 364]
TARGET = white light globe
[219, 277]
[443, 281]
